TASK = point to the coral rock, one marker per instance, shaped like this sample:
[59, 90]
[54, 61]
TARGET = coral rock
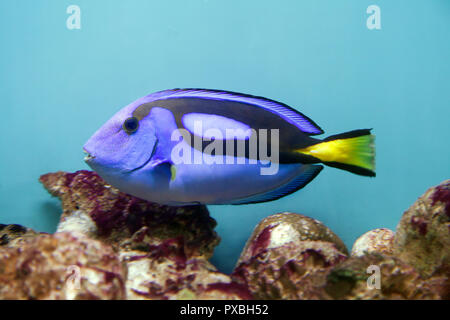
[165, 272]
[374, 241]
[278, 229]
[100, 211]
[14, 235]
[292, 271]
[374, 276]
[61, 266]
[422, 238]
[288, 257]
[164, 249]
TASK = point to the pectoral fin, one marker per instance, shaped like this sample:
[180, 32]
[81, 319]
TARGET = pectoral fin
[165, 168]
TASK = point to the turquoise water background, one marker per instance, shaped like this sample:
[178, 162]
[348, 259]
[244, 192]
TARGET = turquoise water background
[57, 86]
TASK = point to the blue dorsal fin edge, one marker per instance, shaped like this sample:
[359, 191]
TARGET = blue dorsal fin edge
[291, 115]
[308, 174]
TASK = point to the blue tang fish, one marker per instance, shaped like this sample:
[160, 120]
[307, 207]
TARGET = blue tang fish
[192, 146]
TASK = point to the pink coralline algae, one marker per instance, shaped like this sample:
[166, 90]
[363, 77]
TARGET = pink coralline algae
[442, 194]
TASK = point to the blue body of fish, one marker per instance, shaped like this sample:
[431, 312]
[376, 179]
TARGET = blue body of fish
[190, 146]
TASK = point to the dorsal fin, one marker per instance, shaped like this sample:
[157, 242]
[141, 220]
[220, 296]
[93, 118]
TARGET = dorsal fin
[289, 114]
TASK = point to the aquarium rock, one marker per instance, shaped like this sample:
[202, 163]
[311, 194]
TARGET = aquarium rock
[376, 276]
[61, 266]
[288, 257]
[110, 245]
[281, 228]
[102, 212]
[375, 241]
[14, 235]
[164, 272]
[164, 249]
[422, 238]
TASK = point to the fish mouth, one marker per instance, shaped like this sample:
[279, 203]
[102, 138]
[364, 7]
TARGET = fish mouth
[88, 156]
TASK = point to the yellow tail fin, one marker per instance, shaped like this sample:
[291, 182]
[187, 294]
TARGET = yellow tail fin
[353, 151]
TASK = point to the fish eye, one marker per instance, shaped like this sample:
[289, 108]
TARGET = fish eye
[131, 125]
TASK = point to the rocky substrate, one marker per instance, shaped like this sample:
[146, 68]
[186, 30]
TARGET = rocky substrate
[110, 245]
